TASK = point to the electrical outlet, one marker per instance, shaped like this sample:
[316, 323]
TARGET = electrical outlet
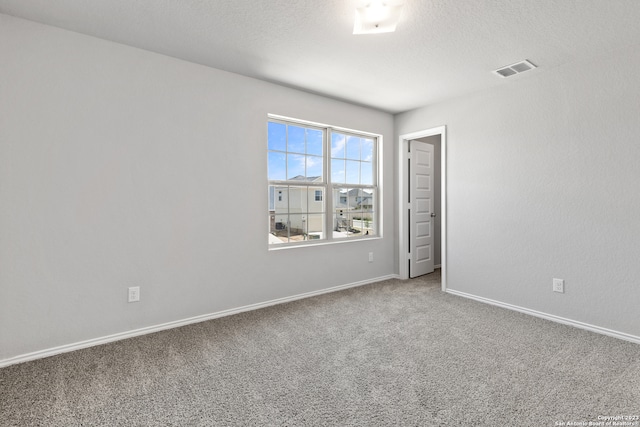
[134, 294]
[558, 285]
[370, 256]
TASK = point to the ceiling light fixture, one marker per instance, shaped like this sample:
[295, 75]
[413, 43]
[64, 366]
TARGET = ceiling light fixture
[377, 16]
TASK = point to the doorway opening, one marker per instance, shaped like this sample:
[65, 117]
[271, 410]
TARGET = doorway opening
[407, 223]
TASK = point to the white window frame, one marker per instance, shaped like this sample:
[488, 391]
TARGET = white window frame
[328, 199]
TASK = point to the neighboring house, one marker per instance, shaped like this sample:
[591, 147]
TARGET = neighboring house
[361, 199]
[352, 204]
[304, 205]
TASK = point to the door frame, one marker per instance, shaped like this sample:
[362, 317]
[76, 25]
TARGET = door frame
[403, 185]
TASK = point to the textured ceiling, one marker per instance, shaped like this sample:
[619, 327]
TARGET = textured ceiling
[441, 49]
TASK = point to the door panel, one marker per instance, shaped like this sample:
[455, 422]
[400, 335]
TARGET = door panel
[421, 199]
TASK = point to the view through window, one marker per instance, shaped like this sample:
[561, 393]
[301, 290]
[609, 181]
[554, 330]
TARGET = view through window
[306, 163]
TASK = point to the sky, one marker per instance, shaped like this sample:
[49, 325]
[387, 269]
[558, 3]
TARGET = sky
[297, 151]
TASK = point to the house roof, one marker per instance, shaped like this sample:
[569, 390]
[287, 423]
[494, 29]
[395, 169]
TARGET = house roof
[441, 49]
[354, 191]
[306, 178]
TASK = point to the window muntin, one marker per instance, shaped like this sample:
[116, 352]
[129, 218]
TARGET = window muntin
[352, 159]
[296, 214]
[295, 152]
[352, 179]
[306, 162]
[354, 212]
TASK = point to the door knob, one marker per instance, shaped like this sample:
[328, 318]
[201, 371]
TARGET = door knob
[433, 215]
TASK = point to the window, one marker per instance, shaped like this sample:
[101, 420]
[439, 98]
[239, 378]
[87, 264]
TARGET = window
[307, 162]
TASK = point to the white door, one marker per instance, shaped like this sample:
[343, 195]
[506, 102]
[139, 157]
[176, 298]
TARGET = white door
[420, 208]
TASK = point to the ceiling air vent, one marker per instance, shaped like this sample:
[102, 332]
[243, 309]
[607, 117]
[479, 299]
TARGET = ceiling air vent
[513, 69]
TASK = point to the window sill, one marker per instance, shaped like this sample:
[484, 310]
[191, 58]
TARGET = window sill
[311, 243]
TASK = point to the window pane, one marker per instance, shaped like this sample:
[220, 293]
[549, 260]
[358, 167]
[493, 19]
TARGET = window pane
[273, 237]
[352, 172]
[367, 201]
[316, 200]
[368, 204]
[315, 226]
[365, 224]
[314, 142]
[345, 226]
[338, 141]
[277, 166]
[277, 136]
[295, 139]
[369, 223]
[358, 222]
[341, 215]
[298, 200]
[354, 212]
[337, 171]
[314, 168]
[281, 200]
[295, 167]
[367, 149]
[297, 211]
[272, 198]
[297, 227]
[356, 195]
[366, 173]
[353, 148]
[341, 199]
[279, 230]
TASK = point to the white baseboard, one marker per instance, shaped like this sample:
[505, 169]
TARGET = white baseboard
[176, 324]
[553, 318]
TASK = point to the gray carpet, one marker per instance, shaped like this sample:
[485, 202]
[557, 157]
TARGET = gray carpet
[391, 353]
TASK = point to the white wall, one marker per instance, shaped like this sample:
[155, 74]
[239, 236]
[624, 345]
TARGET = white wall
[120, 167]
[544, 181]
